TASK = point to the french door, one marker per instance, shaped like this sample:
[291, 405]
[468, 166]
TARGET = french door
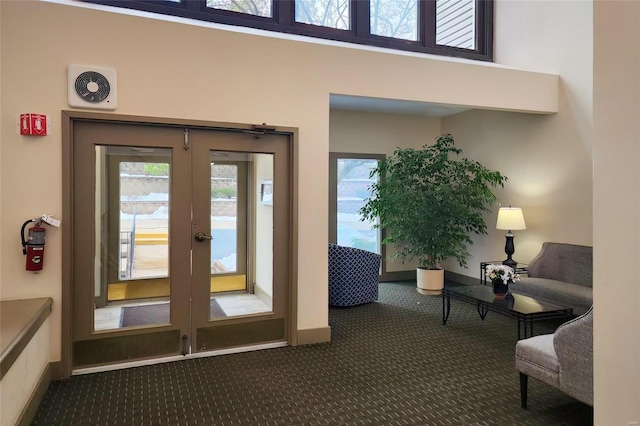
[180, 242]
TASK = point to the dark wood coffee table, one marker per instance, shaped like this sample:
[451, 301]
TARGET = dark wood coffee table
[525, 309]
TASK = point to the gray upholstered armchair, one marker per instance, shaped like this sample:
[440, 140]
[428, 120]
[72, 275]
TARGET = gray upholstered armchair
[563, 359]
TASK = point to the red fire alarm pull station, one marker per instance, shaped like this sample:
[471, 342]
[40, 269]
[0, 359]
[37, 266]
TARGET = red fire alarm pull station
[34, 124]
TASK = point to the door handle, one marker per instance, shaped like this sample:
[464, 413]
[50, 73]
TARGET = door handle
[201, 236]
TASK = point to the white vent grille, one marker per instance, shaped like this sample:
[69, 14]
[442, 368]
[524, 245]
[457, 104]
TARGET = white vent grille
[92, 87]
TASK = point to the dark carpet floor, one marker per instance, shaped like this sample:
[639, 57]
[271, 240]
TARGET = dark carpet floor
[389, 363]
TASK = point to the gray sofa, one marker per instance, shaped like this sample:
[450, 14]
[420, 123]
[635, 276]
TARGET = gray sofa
[560, 273]
[563, 359]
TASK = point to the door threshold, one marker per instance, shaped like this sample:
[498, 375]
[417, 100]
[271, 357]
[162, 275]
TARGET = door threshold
[153, 361]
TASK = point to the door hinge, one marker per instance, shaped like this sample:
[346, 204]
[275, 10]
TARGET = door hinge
[185, 145]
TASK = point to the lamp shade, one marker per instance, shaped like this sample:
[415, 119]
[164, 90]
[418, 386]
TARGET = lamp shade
[510, 219]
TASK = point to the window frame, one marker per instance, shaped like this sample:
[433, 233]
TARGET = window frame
[283, 21]
[334, 157]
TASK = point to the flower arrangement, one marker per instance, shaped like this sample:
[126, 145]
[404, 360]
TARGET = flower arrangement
[503, 273]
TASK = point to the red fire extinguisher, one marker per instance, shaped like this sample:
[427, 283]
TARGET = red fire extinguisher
[33, 246]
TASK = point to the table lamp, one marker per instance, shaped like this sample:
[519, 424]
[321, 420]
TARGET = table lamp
[510, 219]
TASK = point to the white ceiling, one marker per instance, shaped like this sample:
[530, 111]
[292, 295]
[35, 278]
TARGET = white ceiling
[394, 106]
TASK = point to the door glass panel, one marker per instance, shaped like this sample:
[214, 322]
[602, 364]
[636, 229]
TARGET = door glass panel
[144, 218]
[224, 215]
[353, 189]
[132, 243]
[241, 268]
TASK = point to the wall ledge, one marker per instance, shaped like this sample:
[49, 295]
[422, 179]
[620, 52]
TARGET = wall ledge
[19, 322]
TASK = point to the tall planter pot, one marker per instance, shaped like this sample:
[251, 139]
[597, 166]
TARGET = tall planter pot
[430, 281]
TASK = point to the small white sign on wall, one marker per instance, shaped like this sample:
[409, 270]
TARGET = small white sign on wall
[266, 192]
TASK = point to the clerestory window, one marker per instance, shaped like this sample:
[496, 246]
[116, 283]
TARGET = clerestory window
[460, 28]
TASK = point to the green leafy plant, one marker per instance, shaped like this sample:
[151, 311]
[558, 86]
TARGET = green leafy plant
[429, 201]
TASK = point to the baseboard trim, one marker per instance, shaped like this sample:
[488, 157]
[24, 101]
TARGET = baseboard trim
[314, 335]
[29, 410]
[56, 370]
[411, 275]
[398, 276]
[460, 279]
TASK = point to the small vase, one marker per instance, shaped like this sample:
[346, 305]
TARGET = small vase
[500, 289]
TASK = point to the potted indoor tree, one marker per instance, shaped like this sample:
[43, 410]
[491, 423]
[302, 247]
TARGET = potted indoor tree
[429, 201]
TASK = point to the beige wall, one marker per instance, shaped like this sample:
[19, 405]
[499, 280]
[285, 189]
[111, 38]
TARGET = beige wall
[170, 69]
[175, 70]
[380, 133]
[550, 188]
[616, 211]
[548, 159]
[549, 176]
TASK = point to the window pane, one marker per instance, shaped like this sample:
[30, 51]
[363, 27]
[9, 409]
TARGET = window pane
[325, 13]
[395, 18]
[455, 23]
[224, 217]
[144, 217]
[395, 24]
[353, 189]
[250, 7]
